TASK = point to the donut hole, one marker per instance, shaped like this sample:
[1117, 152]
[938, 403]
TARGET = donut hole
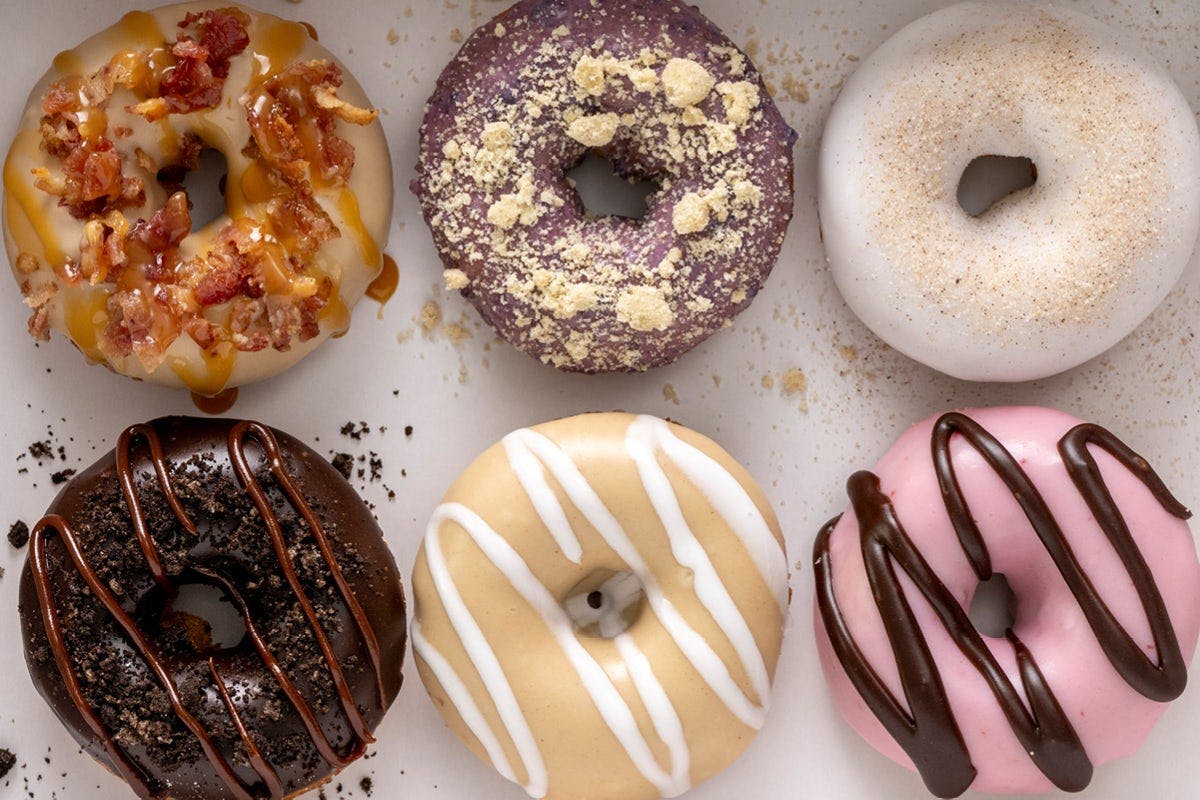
[207, 618]
[987, 180]
[205, 185]
[605, 604]
[994, 607]
[603, 192]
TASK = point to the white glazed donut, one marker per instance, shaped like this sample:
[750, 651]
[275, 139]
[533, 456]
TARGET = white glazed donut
[599, 608]
[99, 240]
[1051, 276]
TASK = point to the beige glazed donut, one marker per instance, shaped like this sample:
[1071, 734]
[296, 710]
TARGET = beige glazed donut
[599, 608]
[97, 224]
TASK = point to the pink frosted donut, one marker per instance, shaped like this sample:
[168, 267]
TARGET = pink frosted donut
[1107, 585]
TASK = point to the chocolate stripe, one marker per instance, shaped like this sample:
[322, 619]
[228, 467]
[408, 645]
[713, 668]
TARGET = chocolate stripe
[266, 440]
[262, 768]
[145, 648]
[929, 733]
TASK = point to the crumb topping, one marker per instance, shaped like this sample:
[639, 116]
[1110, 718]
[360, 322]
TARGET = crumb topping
[686, 111]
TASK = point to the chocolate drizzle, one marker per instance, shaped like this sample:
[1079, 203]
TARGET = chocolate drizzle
[928, 731]
[270, 784]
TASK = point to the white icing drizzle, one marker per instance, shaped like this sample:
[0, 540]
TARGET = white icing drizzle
[607, 699]
[531, 455]
[730, 500]
[460, 696]
[483, 657]
[532, 476]
[640, 440]
[706, 661]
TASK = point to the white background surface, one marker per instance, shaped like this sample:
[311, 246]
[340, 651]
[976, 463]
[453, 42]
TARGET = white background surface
[460, 397]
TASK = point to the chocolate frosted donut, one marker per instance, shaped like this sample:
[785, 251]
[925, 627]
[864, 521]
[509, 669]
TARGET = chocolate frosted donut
[141, 685]
[657, 89]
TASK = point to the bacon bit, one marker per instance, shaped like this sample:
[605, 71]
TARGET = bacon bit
[59, 99]
[154, 109]
[201, 65]
[202, 332]
[154, 243]
[39, 300]
[230, 270]
[27, 263]
[135, 328]
[39, 324]
[101, 252]
[247, 324]
[92, 182]
[305, 222]
[310, 310]
[293, 118]
[222, 33]
[327, 99]
[59, 136]
[43, 294]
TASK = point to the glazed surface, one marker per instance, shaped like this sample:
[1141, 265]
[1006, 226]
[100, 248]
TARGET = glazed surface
[1107, 601]
[259, 516]
[661, 92]
[250, 293]
[599, 608]
[1048, 277]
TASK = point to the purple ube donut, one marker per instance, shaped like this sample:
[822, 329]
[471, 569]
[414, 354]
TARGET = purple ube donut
[661, 92]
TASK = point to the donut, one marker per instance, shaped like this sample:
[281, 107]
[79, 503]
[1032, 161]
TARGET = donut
[659, 91]
[1104, 577]
[141, 684]
[599, 608]
[97, 222]
[1052, 275]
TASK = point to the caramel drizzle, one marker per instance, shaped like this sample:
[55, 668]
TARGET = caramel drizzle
[131, 772]
[928, 731]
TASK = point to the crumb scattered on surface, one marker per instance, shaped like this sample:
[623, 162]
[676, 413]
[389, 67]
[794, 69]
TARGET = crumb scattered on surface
[430, 317]
[18, 534]
[794, 382]
[7, 761]
[343, 463]
[669, 393]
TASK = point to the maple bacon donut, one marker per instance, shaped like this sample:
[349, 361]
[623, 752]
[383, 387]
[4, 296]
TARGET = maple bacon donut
[658, 90]
[98, 225]
[1051, 275]
[599, 608]
[1104, 577]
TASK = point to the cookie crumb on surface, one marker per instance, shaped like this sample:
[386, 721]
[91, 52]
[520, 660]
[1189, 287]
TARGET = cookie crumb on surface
[18, 534]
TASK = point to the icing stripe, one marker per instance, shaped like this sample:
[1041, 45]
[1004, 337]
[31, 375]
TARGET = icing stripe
[483, 657]
[710, 589]
[532, 476]
[663, 716]
[460, 697]
[607, 699]
[731, 501]
[706, 661]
